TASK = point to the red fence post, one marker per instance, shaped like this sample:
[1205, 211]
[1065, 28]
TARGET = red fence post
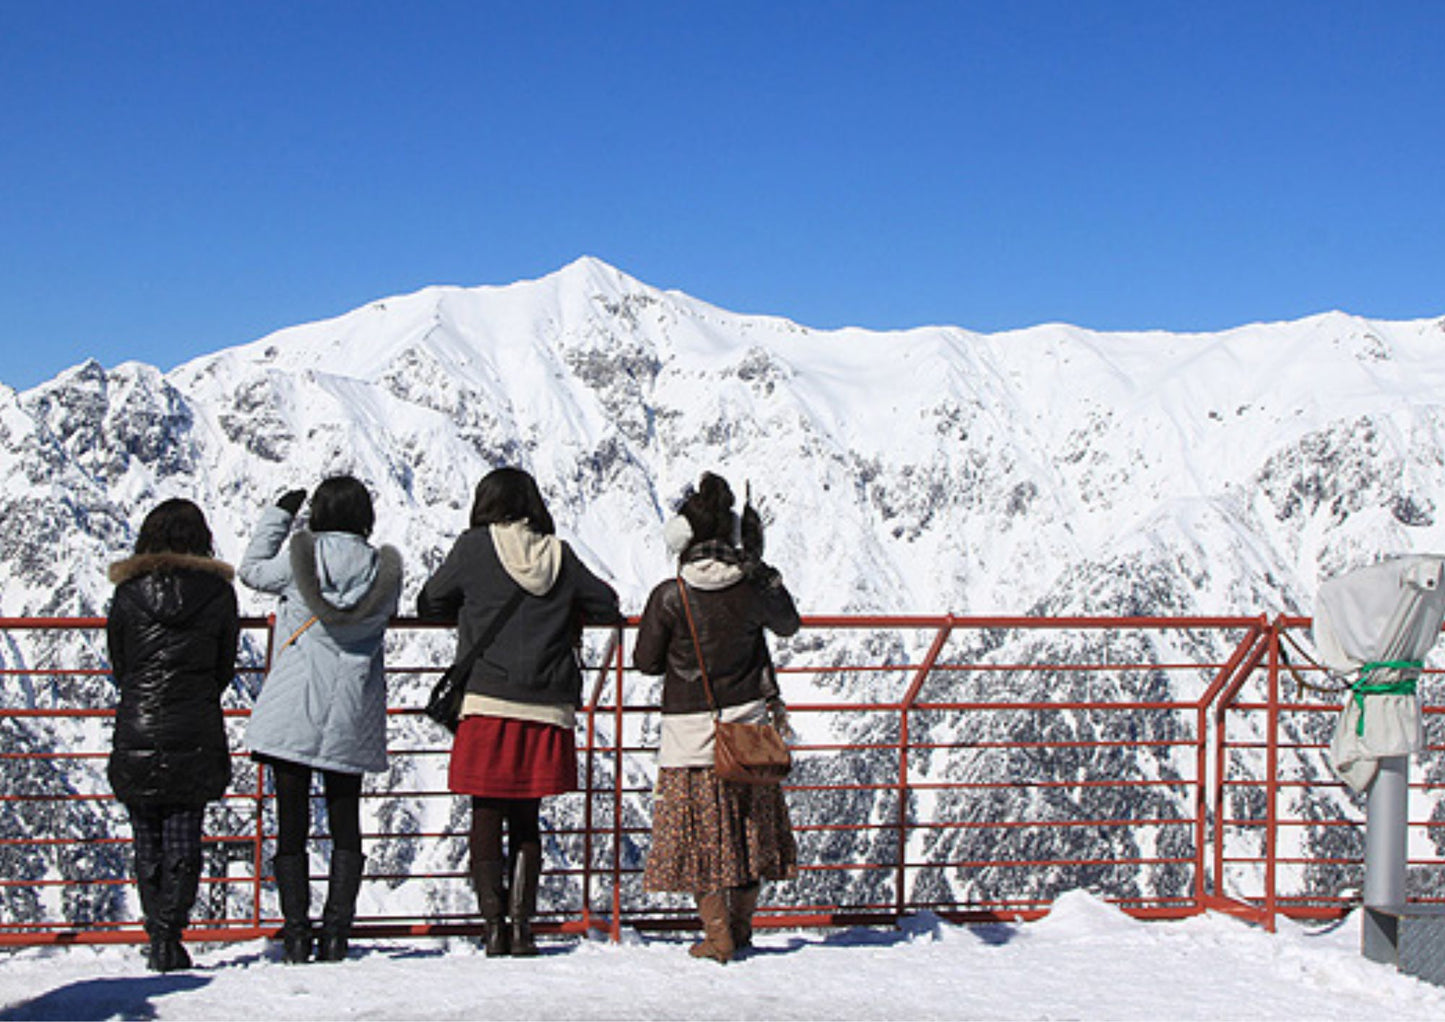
[589, 762]
[910, 697]
[615, 931]
[257, 854]
[1241, 665]
[589, 790]
[1271, 863]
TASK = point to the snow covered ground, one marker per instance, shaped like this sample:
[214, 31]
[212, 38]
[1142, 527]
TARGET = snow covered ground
[1084, 961]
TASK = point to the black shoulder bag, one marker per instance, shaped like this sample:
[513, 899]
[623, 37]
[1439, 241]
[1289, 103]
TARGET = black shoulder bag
[445, 703]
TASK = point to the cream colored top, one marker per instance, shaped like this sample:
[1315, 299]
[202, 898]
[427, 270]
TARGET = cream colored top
[559, 715]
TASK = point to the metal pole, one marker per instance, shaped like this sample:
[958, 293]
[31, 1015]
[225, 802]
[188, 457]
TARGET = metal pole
[1386, 841]
[1271, 789]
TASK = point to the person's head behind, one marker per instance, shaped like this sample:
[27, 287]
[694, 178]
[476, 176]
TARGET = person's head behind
[709, 510]
[508, 495]
[175, 526]
[342, 504]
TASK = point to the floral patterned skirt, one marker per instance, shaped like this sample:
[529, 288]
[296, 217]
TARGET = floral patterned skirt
[709, 834]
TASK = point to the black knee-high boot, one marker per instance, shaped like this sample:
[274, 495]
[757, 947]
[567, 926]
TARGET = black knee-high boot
[489, 885]
[526, 870]
[180, 879]
[293, 885]
[148, 884]
[337, 914]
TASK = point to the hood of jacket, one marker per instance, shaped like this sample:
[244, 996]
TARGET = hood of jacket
[170, 585]
[711, 566]
[341, 577]
[532, 559]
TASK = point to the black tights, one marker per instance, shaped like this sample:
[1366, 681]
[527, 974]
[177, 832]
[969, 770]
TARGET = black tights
[523, 819]
[293, 807]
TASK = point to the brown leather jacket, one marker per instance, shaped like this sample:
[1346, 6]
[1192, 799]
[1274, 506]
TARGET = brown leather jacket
[730, 624]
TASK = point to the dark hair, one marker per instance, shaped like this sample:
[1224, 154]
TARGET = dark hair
[511, 495]
[342, 504]
[175, 526]
[708, 510]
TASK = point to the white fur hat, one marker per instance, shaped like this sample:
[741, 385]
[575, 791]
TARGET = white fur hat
[677, 534]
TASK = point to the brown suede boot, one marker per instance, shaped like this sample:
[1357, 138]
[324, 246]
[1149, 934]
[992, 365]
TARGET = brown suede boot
[742, 903]
[717, 940]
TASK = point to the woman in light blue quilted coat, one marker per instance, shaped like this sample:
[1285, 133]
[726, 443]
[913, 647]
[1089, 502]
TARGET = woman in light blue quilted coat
[323, 705]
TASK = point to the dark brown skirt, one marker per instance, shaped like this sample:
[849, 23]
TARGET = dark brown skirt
[709, 834]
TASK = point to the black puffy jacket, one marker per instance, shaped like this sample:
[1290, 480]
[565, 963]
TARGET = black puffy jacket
[172, 632]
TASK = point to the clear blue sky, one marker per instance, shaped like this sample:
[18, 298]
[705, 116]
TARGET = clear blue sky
[177, 177]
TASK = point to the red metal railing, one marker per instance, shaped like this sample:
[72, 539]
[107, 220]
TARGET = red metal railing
[969, 766]
[1290, 837]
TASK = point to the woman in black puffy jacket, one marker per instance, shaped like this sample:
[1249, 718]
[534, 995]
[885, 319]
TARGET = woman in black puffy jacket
[172, 633]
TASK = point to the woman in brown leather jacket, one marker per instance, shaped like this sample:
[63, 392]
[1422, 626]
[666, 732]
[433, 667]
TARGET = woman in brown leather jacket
[716, 839]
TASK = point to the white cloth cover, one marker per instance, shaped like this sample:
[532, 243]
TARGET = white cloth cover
[1387, 611]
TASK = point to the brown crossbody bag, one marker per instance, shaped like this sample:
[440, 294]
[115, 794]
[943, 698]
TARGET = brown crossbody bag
[742, 753]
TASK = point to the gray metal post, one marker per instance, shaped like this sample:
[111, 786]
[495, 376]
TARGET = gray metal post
[1386, 848]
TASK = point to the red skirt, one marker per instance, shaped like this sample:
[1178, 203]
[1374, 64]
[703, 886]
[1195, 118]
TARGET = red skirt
[497, 757]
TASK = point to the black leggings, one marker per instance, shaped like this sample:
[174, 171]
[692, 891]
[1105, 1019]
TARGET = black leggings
[523, 819]
[293, 807]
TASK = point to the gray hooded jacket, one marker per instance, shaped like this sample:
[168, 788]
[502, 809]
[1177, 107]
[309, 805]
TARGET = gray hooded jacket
[324, 703]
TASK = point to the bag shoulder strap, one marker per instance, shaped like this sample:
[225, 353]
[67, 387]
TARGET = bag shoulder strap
[697, 647]
[295, 635]
[468, 660]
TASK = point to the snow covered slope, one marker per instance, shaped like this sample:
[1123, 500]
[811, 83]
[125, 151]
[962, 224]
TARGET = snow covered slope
[1084, 961]
[929, 470]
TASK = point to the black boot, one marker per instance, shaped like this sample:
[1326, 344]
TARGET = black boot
[293, 885]
[340, 908]
[491, 905]
[148, 883]
[526, 870]
[180, 878]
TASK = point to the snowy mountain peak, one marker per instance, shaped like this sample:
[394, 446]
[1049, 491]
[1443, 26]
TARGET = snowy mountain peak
[929, 469]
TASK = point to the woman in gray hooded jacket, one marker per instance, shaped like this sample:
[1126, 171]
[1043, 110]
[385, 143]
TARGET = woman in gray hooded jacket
[323, 704]
[515, 745]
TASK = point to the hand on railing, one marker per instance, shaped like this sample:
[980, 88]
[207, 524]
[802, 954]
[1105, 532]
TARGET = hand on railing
[778, 715]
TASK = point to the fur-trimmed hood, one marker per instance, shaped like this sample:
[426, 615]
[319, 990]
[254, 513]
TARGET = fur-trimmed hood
[343, 582]
[170, 588]
[144, 564]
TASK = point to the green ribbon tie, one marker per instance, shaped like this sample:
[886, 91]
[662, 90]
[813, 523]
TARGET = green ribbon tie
[1363, 687]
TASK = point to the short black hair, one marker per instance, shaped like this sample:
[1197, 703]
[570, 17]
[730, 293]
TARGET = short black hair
[342, 504]
[175, 526]
[511, 495]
